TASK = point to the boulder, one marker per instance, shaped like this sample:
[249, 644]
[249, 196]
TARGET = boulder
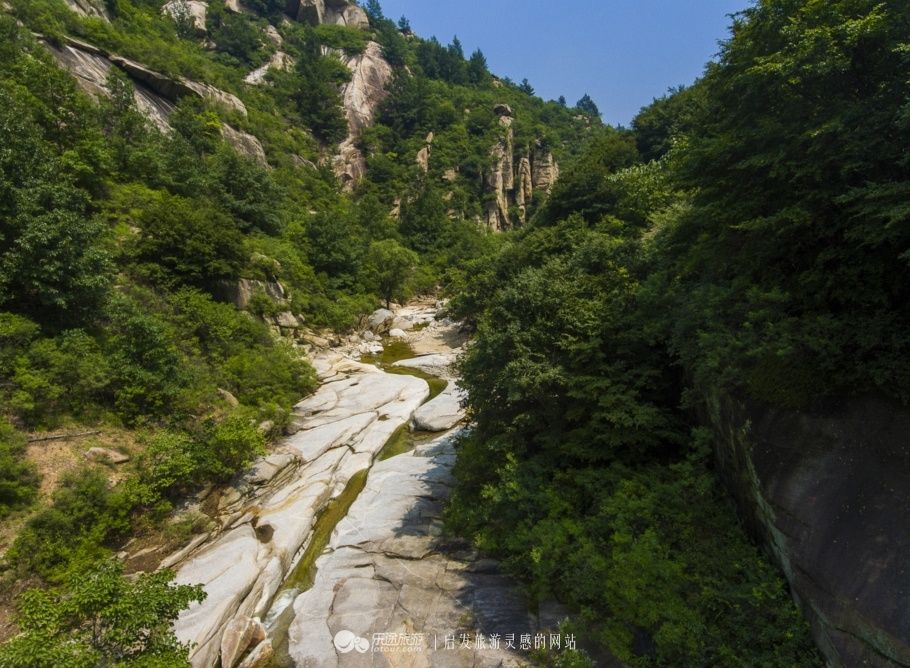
[239, 634]
[245, 144]
[503, 110]
[380, 321]
[106, 456]
[396, 333]
[240, 293]
[441, 413]
[260, 656]
[195, 10]
[228, 398]
[287, 320]
[437, 364]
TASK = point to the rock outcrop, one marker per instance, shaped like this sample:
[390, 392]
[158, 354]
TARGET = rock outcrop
[335, 12]
[508, 185]
[362, 95]
[155, 93]
[194, 10]
[279, 61]
[441, 413]
[89, 8]
[827, 491]
[240, 293]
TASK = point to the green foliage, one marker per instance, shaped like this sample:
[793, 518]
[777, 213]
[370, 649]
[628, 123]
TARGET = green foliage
[390, 266]
[793, 252]
[18, 478]
[74, 531]
[184, 242]
[587, 106]
[100, 617]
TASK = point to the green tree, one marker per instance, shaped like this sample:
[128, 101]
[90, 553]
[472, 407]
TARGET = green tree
[316, 89]
[99, 618]
[390, 266]
[18, 477]
[478, 71]
[186, 242]
[587, 106]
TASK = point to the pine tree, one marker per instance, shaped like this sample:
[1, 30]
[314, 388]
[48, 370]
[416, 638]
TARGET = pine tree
[587, 106]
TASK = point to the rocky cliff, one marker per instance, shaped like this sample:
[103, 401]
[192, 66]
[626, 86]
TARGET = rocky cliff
[156, 93]
[510, 183]
[826, 490]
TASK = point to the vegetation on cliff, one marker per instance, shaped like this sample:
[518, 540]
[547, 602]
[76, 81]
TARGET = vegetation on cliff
[749, 234]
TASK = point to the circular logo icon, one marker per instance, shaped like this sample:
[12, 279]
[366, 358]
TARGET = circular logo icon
[347, 641]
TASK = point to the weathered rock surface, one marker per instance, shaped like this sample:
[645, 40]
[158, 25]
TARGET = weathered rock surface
[380, 321]
[90, 8]
[339, 431]
[155, 93]
[195, 10]
[245, 144]
[437, 364]
[362, 95]
[279, 61]
[106, 455]
[509, 183]
[240, 293]
[386, 572]
[442, 412]
[828, 492]
[335, 12]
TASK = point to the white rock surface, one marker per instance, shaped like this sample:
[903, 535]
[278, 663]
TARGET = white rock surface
[385, 571]
[436, 364]
[441, 413]
[397, 333]
[340, 430]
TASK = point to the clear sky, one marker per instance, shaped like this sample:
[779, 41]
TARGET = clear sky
[623, 53]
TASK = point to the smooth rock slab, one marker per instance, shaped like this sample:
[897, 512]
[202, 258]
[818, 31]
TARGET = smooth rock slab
[341, 430]
[385, 572]
[441, 413]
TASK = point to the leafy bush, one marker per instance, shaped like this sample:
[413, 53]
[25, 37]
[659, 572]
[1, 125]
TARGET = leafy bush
[18, 478]
[100, 617]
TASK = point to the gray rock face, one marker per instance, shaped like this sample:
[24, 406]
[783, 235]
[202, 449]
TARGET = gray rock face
[437, 364]
[241, 292]
[510, 184]
[245, 144]
[380, 321]
[195, 10]
[441, 413]
[269, 515]
[279, 61]
[828, 492]
[362, 95]
[155, 93]
[387, 572]
[89, 8]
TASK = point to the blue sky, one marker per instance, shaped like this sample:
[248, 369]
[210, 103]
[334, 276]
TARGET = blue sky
[622, 52]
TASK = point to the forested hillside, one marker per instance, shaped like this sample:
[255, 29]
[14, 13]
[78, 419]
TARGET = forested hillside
[748, 239]
[176, 219]
[194, 195]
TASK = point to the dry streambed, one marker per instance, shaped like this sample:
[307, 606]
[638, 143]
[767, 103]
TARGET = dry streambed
[335, 538]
